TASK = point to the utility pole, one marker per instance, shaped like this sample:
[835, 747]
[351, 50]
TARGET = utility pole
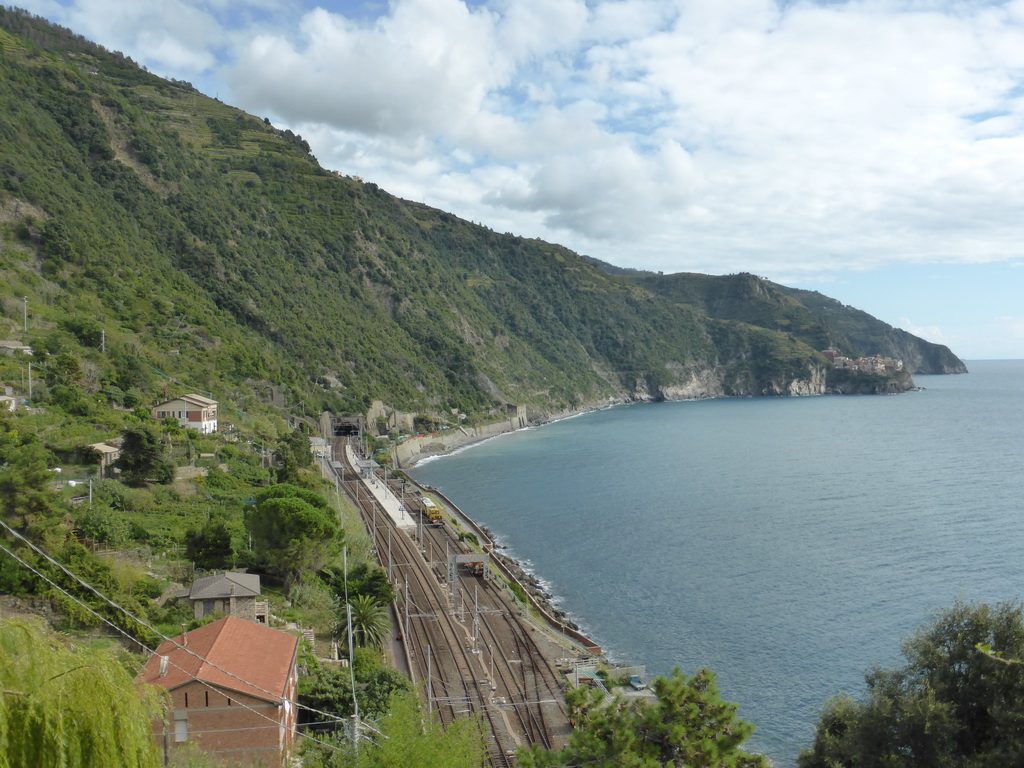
[351, 654]
[430, 684]
[103, 341]
[476, 617]
[30, 381]
[25, 314]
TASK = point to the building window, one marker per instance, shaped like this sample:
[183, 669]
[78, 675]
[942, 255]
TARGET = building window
[207, 698]
[180, 727]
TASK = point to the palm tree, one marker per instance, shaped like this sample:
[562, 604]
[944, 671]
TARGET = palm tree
[370, 623]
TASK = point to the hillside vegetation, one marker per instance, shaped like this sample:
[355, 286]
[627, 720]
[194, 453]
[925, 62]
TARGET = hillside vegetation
[155, 241]
[211, 248]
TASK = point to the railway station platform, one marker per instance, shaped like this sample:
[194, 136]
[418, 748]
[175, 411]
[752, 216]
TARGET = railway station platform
[386, 500]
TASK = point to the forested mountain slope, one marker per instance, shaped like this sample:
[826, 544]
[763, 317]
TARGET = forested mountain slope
[193, 241]
[813, 318]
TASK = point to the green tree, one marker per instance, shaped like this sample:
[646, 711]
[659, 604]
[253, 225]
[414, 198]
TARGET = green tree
[26, 500]
[70, 707]
[209, 545]
[363, 579]
[406, 738]
[688, 725]
[294, 454]
[63, 369]
[143, 457]
[949, 705]
[371, 623]
[293, 530]
[103, 524]
[329, 689]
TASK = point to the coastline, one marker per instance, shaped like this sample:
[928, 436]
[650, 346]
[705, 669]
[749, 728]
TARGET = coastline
[415, 450]
[421, 448]
[540, 599]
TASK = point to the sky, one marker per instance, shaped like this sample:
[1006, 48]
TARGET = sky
[871, 150]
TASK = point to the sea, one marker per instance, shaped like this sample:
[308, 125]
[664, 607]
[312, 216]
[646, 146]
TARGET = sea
[788, 544]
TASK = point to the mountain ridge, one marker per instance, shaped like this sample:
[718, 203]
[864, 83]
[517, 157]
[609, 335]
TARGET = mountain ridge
[211, 248]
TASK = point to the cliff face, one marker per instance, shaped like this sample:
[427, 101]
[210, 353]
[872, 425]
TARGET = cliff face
[816, 379]
[856, 383]
[814, 384]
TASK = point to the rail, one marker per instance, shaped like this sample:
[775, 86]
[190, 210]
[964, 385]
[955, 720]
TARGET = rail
[551, 621]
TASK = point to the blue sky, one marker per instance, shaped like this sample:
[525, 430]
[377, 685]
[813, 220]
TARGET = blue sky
[872, 150]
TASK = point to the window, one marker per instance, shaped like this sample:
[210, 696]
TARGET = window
[180, 726]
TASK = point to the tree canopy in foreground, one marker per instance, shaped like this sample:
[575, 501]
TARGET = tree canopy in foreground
[70, 707]
[688, 725]
[950, 704]
[404, 739]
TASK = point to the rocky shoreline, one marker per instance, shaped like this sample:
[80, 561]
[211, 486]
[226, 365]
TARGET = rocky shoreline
[534, 586]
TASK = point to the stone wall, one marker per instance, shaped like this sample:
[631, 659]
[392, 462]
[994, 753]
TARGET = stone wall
[437, 443]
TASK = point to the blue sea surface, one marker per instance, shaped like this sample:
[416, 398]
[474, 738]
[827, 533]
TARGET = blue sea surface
[789, 544]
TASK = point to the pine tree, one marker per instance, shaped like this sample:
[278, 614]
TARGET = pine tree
[689, 724]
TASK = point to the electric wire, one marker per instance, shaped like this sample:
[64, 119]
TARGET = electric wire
[152, 629]
[130, 615]
[87, 607]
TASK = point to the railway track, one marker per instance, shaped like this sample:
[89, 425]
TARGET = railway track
[480, 659]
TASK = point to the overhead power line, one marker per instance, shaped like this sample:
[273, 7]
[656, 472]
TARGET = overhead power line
[135, 618]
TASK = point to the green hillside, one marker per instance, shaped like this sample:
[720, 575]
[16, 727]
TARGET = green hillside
[809, 316]
[211, 251]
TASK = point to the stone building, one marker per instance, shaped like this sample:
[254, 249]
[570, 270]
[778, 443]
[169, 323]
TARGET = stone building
[232, 594]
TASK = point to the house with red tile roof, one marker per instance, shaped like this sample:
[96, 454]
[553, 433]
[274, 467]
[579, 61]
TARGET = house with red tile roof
[190, 411]
[233, 687]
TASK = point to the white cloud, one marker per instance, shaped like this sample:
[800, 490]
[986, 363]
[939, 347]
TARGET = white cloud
[174, 37]
[929, 332]
[786, 138]
[424, 70]
[604, 193]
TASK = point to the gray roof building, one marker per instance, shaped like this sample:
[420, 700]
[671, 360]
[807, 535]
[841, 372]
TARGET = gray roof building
[233, 594]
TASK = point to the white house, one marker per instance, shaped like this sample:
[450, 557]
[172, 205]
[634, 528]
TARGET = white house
[190, 411]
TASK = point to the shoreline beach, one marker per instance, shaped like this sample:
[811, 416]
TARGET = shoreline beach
[415, 450]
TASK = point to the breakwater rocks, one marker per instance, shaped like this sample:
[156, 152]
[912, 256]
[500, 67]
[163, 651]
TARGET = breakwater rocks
[531, 584]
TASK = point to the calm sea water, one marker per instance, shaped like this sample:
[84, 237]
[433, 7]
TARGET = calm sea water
[787, 544]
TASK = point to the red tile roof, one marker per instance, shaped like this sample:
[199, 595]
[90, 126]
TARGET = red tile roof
[230, 653]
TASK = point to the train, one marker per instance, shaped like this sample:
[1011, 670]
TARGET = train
[432, 510]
